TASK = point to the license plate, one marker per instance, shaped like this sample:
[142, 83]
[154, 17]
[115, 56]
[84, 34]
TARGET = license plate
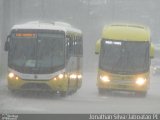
[122, 86]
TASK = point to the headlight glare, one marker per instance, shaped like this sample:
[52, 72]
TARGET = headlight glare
[17, 78]
[79, 76]
[105, 78]
[55, 79]
[140, 81]
[11, 75]
[60, 76]
[73, 76]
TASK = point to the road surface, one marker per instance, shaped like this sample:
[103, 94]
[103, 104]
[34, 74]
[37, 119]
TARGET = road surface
[86, 100]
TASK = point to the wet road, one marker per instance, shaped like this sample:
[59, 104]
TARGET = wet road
[86, 100]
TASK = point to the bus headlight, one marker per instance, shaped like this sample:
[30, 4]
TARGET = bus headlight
[79, 76]
[13, 76]
[140, 81]
[104, 79]
[60, 76]
[73, 76]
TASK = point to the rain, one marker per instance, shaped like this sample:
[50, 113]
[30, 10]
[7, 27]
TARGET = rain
[88, 16]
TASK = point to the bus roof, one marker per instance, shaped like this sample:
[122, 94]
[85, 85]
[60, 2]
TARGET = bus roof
[62, 26]
[126, 32]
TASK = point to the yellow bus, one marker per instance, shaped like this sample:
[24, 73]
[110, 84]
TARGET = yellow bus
[45, 56]
[124, 61]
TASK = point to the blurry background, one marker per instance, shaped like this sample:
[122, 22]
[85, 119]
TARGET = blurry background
[88, 15]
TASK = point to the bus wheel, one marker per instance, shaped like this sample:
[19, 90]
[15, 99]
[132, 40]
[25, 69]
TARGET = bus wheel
[63, 93]
[72, 92]
[75, 90]
[12, 91]
[141, 94]
[101, 91]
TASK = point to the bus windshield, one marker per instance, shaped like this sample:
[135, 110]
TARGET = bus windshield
[124, 57]
[41, 52]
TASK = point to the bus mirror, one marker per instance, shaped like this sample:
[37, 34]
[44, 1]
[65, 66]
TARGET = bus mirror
[6, 48]
[98, 45]
[151, 51]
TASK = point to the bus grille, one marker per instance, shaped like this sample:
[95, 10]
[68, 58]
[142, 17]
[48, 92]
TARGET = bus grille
[35, 86]
[125, 82]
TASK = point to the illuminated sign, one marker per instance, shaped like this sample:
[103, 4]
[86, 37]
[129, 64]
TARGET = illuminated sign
[25, 35]
[113, 43]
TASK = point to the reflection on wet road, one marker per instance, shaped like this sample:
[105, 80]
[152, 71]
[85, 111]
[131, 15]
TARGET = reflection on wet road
[86, 100]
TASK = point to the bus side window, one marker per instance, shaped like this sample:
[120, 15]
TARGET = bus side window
[74, 47]
[7, 44]
[70, 47]
[78, 49]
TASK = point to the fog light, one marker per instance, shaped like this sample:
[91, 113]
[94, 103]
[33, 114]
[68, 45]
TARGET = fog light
[55, 79]
[17, 78]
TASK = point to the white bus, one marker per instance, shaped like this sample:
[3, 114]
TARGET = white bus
[45, 56]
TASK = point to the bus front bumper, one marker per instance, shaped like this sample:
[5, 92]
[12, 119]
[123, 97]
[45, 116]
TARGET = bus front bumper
[122, 87]
[38, 85]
